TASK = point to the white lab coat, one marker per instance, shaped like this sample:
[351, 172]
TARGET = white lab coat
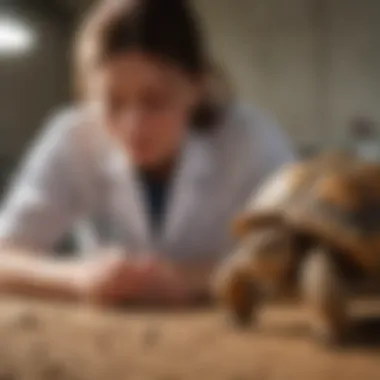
[75, 177]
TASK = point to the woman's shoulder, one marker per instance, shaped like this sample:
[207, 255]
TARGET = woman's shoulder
[254, 128]
[70, 121]
[71, 129]
[250, 121]
[252, 142]
[68, 138]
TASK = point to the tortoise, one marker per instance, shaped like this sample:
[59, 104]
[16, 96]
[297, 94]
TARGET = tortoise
[313, 228]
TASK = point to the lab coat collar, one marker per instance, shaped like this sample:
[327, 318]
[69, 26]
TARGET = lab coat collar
[197, 158]
[193, 176]
[194, 171]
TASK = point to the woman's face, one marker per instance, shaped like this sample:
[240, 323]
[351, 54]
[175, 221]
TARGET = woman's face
[146, 106]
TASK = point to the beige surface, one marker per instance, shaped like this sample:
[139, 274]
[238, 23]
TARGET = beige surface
[45, 342]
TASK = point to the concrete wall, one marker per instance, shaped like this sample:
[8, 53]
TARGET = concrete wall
[314, 63]
[354, 48]
[31, 86]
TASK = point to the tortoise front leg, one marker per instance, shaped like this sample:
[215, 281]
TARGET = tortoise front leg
[325, 294]
[241, 301]
[236, 291]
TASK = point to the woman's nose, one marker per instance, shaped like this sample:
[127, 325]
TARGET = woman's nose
[131, 119]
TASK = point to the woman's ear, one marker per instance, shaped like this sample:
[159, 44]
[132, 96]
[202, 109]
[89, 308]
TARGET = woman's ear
[246, 222]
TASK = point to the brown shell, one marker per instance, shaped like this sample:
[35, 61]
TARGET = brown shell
[335, 197]
[343, 208]
[285, 187]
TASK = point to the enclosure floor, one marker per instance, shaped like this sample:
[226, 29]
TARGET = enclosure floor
[39, 341]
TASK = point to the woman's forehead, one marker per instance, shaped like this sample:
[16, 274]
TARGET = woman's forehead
[135, 68]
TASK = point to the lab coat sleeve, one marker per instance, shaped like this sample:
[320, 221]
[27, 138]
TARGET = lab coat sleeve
[42, 200]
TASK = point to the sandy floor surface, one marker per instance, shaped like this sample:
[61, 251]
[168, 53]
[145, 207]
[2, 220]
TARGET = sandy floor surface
[39, 341]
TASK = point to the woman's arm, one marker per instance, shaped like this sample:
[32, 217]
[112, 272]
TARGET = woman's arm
[45, 196]
[23, 272]
[44, 201]
[109, 278]
[41, 205]
[39, 208]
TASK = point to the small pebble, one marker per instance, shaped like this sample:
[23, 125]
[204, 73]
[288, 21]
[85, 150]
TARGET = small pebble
[151, 336]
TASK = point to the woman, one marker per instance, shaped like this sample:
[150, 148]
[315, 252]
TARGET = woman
[152, 163]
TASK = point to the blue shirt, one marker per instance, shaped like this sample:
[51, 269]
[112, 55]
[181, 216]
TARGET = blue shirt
[156, 195]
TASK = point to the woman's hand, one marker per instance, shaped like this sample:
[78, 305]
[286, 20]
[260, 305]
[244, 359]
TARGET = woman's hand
[111, 279]
[192, 281]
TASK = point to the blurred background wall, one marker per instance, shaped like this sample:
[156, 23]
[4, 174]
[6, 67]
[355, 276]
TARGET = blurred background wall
[32, 84]
[314, 63]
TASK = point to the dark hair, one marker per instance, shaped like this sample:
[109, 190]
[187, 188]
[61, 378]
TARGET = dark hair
[167, 29]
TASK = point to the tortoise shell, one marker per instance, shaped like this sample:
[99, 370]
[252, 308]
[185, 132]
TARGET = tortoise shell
[334, 197]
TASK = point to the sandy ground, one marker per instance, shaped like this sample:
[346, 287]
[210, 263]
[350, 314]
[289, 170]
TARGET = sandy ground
[39, 341]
